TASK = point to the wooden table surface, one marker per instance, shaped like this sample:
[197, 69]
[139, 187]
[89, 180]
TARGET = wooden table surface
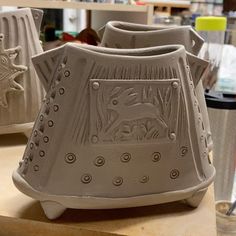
[21, 215]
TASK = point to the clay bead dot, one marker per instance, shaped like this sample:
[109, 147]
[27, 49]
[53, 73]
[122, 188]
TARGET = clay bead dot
[67, 73]
[183, 151]
[96, 85]
[61, 91]
[86, 178]
[144, 179]
[125, 157]
[41, 118]
[99, 161]
[70, 158]
[172, 136]
[156, 156]
[202, 138]
[50, 123]
[114, 102]
[46, 139]
[36, 168]
[55, 108]
[175, 85]
[41, 153]
[35, 133]
[117, 181]
[31, 145]
[174, 174]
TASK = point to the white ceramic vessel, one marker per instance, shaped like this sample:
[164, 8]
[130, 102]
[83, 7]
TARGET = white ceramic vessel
[21, 92]
[118, 34]
[118, 128]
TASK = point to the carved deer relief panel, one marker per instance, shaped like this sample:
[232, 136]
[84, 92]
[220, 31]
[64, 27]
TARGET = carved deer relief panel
[127, 111]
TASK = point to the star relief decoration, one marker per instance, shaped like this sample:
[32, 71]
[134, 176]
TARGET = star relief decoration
[9, 71]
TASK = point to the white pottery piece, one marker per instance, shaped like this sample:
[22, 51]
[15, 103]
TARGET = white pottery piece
[118, 128]
[21, 92]
[118, 34]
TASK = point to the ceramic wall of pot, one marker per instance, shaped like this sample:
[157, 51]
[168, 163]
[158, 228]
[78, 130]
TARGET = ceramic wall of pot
[118, 128]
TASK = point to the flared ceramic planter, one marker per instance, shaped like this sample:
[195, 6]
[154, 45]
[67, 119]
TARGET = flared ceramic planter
[21, 92]
[118, 34]
[128, 35]
[118, 128]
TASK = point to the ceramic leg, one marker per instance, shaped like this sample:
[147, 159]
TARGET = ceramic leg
[196, 199]
[52, 209]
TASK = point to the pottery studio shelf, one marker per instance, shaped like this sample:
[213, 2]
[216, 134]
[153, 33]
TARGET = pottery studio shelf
[57, 4]
[169, 5]
[23, 216]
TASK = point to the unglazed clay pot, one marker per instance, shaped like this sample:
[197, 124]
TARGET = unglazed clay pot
[128, 35]
[21, 92]
[118, 128]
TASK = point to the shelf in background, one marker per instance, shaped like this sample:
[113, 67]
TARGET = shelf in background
[171, 3]
[58, 4]
[168, 6]
[75, 5]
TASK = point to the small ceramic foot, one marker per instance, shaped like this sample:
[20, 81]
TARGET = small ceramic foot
[52, 209]
[195, 200]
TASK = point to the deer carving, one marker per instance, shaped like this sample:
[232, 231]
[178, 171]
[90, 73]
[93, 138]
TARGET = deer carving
[128, 109]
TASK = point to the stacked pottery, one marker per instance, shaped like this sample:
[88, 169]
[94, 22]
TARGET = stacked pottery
[21, 92]
[118, 128]
[118, 34]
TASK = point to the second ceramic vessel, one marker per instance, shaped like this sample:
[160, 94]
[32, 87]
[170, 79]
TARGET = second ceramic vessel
[118, 34]
[21, 92]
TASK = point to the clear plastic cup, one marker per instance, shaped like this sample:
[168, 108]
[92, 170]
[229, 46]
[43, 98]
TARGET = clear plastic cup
[212, 30]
